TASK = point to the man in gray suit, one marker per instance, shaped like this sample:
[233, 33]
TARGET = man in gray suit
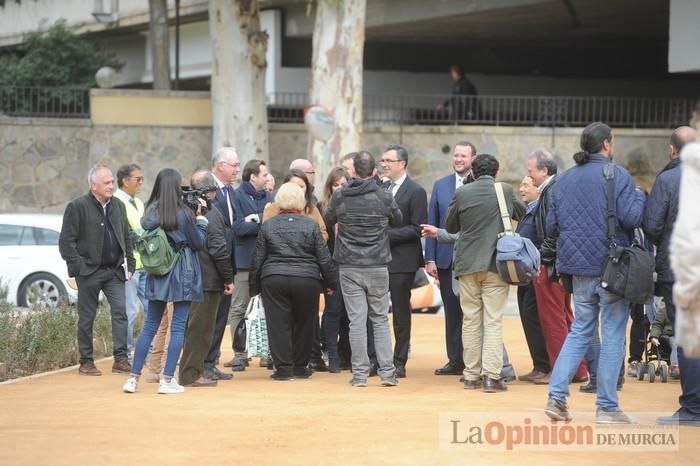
[475, 214]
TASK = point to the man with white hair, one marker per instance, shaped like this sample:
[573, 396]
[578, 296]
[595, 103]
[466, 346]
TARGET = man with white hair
[95, 244]
[225, 166]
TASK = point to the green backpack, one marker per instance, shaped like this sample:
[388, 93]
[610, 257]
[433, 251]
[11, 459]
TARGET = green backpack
[157, 255]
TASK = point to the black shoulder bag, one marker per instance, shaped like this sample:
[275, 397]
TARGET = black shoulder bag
[629, 271]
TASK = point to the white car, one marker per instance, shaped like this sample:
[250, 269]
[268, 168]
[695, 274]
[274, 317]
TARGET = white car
[30, 265]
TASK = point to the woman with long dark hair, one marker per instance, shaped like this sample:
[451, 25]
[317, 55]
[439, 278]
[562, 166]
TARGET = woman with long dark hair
[181, 286]
[336, 323]
[299, 178]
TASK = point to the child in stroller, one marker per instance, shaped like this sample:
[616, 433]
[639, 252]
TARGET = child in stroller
[657, 357]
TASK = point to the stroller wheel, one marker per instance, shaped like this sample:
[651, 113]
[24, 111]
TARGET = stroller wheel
[652, 372]
[641, 369]
[664, 373]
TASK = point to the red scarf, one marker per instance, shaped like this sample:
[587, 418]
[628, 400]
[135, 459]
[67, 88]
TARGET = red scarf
[290, 211]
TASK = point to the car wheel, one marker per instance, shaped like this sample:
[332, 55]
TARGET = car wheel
[41, 290]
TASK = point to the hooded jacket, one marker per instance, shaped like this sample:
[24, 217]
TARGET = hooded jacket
[363, 212]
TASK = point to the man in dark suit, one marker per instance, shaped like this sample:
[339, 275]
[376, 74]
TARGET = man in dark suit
[406, 250]
[474, 213]
[438, 256]
[225, 166]
[95, 244]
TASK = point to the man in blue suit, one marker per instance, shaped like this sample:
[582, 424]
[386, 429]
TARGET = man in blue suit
[438, 256]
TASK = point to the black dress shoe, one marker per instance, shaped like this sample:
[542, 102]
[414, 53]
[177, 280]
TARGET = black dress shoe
[400, 372]
[494, 385]
[448, 369]
[318, 366]
[216, 374]
[277, 375]
[302, 373]
[472, 384]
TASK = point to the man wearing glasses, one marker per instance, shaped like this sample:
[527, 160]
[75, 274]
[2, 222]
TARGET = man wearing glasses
[308, 169]
[129, 182]
[406, 250]
[225, 166]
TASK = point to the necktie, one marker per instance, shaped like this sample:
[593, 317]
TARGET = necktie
[229, 199]
[132, 201]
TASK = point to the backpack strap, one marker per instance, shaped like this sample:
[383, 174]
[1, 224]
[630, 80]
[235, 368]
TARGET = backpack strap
[609, 171]
[507, 224]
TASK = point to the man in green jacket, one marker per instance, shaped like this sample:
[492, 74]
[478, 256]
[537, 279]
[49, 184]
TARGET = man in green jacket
[475, 215]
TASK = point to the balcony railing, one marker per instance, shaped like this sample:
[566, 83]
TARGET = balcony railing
[45, 102]
[632, 112]
[496, 110]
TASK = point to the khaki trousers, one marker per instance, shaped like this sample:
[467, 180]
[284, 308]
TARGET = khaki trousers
[483, 296]
[156, 361]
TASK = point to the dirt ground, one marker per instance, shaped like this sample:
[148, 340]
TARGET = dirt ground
[66, 419]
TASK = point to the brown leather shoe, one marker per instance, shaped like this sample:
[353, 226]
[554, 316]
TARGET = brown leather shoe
[204, 382]
[529, 377]
[88, 368]
[229, 363]
[121, 366]
[579, 379]
[544, 380]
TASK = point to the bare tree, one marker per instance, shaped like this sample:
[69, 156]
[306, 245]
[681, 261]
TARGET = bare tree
[238, 78]
[336, 76]
[160, 43]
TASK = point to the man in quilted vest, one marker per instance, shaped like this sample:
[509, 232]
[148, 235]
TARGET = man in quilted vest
[578, 218]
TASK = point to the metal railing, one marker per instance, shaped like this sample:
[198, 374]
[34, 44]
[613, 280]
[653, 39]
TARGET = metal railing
[632, 112]
[45, 102]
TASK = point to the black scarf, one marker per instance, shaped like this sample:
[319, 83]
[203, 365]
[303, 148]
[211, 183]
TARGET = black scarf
[250, 190]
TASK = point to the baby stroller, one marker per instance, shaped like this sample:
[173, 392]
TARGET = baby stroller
[657, 354]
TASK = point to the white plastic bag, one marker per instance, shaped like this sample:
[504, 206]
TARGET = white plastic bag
[256, 328]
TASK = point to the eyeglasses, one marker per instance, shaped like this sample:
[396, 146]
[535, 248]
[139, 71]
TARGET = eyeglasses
[233, 165]
[310, 173]
[389, 161]
[138, 179]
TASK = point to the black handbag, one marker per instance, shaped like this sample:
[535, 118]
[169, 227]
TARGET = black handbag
[628, 271]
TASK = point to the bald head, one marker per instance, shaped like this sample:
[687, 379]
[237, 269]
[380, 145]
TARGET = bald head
[680, 137]
[202, 179]
[305, 166]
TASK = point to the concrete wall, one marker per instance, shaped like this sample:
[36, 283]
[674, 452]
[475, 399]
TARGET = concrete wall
[683, 54]
[44, 162]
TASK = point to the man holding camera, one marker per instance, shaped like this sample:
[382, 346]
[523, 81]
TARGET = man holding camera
[251, 199]
[217, 278]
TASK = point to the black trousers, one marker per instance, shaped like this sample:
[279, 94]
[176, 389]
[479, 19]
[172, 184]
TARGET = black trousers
[200, 329]
[638, 332]
[400, 290]
[689, 367]
[291, 311]
[453, 319]
[527, 304]
[219, 330]
[89, 287]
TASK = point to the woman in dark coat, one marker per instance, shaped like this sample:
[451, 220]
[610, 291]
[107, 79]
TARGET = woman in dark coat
[181, 286]
[290, 258]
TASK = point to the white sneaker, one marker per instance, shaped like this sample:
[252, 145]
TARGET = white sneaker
[130, 385]
[166, 388]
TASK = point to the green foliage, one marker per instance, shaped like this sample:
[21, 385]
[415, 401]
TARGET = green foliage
[56, 57]
[45, 339]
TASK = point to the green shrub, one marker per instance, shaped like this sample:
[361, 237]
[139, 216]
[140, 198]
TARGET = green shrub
[46, 339]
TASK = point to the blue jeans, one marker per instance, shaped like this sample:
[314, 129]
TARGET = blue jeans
[592, 356]
[592, 302]
[135, 291]
[150, 326]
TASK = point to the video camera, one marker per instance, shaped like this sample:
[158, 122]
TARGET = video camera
[190, 196]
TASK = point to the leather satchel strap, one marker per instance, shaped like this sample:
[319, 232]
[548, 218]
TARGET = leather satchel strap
[507, 225]
[609, 171]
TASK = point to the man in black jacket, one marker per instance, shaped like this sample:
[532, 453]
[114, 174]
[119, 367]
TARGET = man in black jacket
[95, 244]
[406, 249]
[363, 212]
[225, 166]
[217, 280]
[659, 217]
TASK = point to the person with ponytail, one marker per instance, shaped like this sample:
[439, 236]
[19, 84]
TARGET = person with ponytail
[181, 286]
